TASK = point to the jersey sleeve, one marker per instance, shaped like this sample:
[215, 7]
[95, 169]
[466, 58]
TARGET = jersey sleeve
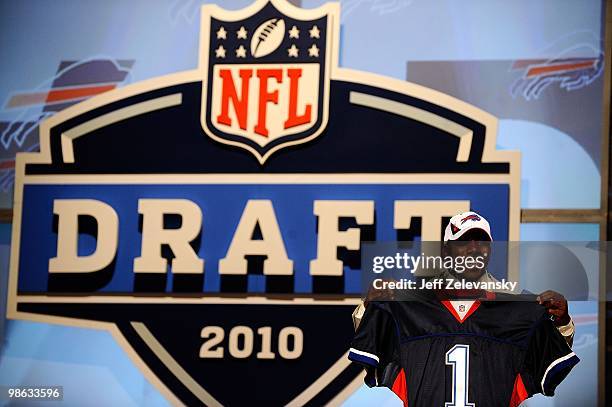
[374, 345]
[548, 360]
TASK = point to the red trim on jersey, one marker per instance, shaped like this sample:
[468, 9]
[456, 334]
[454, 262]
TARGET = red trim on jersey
[451, 309]
[399, 387]
[490, 295]
[519, 394]
[473, 308]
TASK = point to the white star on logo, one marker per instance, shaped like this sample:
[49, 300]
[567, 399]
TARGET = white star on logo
[241, 52]
[313, 51]
[242, 33]
[314, 32]
[293, 51]
[220, 52]
[222, 33]
[294, 32]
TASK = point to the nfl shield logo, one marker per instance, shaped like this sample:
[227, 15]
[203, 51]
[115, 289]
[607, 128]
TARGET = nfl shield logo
[266, 71]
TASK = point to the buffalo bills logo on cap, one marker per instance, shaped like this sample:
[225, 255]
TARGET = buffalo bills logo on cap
[470, 217]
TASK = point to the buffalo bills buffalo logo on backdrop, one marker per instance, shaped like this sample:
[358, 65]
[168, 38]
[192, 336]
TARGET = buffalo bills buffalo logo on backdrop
[213, 220]
[267, 76]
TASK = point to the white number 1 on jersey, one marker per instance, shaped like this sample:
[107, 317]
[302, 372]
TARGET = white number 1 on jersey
[459, 359]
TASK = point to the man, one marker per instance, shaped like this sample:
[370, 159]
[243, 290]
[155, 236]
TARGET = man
[468, 234]
[465, 347]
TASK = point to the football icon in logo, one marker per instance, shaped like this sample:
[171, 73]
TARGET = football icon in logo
[267, 37]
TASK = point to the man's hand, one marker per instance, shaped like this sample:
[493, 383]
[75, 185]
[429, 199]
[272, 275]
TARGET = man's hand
[556, 305]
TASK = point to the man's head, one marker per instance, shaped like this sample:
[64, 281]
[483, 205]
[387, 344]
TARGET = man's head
[468, 234]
